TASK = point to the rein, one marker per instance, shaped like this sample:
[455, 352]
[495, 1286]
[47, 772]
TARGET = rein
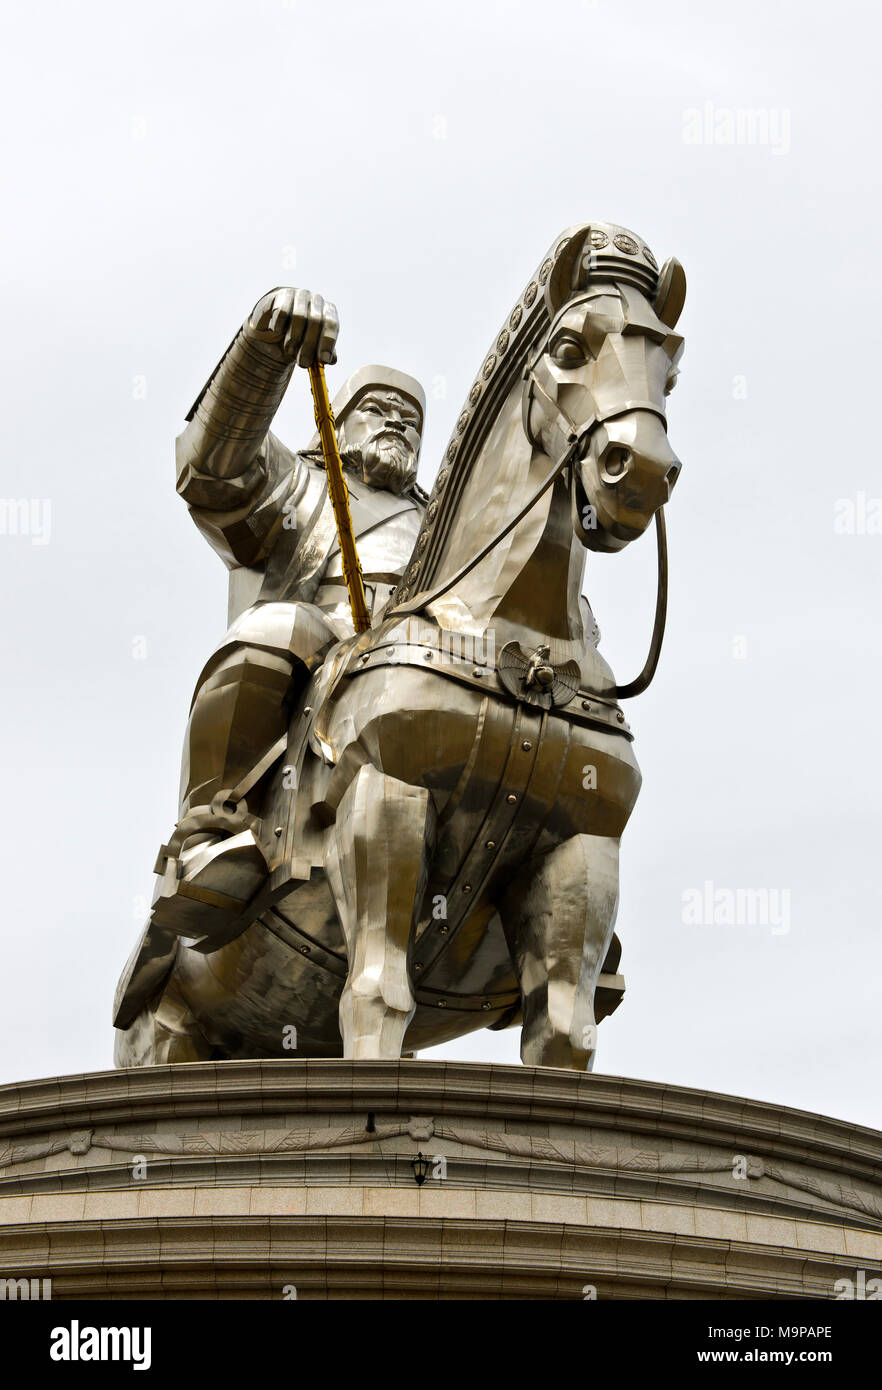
[422, 600]
[650, 665]
[575, 438]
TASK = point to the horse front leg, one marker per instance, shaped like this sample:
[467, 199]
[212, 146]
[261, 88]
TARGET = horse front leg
[559, 916]
[376, 862]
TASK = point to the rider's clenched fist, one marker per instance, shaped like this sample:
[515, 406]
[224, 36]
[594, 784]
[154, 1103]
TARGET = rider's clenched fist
[301, 325]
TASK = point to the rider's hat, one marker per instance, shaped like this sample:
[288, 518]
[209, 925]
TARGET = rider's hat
[375, 378]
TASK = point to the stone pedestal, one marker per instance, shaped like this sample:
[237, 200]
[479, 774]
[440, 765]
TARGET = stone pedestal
[256, 1179]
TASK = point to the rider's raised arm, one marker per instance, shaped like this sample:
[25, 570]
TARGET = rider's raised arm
[227, 461]
[245, 534]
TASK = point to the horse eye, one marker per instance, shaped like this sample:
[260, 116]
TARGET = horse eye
[567, 352]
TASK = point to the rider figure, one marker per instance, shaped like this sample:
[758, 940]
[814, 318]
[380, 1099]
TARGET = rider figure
[267, 513]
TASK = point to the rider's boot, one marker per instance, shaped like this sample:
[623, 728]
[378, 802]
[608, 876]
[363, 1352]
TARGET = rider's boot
[213, 864]
[206, 879]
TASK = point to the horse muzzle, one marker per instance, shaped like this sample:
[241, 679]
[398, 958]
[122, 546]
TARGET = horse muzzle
[626, 470]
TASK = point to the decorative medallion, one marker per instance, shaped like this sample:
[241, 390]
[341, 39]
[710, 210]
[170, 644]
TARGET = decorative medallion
[502, 341]
[530, 293]
[598, 240]
[626, 244]
[650, 257]
[413, 572]
[475, 393]
[432, 511]
[545, 271]
[423, 540]
[487, 370]
[462, 422]
[517, 314]
[443, 475]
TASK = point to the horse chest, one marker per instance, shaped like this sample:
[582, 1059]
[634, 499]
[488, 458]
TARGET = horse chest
[498, 769]
[533, 779]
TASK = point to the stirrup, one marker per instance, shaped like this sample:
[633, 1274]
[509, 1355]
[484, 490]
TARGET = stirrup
[225, 816]
[200, 896]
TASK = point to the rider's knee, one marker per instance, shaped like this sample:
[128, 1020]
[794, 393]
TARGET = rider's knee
[267, 644]
[300, 629]
[241, 664]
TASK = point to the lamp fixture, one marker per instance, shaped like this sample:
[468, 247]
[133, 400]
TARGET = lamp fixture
[420, 1166]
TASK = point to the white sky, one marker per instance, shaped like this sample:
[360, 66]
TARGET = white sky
[165, 163]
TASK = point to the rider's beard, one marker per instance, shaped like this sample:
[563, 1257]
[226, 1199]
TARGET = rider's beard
[388, 461]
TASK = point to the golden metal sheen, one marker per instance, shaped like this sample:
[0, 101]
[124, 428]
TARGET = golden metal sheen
[391, 837]
[324, 420]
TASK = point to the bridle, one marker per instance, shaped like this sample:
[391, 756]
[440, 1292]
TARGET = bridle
[577, 438]
[576, 441]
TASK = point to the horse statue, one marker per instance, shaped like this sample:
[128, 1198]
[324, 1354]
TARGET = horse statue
[442, 831]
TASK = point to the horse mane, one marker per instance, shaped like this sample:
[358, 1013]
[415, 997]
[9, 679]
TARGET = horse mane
[500, 371]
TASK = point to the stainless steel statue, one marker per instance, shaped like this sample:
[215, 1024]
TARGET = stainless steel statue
[391, 838]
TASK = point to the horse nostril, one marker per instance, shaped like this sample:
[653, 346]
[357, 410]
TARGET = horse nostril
[672, 474]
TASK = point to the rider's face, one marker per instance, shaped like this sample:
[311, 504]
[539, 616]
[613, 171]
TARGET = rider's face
[383, 435]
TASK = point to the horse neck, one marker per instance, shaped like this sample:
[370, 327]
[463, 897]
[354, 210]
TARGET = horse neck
[528, 587]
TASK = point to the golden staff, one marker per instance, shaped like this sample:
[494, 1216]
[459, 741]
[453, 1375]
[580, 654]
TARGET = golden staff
[339, 496]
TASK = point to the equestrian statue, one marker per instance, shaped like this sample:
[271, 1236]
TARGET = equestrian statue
[407, 769]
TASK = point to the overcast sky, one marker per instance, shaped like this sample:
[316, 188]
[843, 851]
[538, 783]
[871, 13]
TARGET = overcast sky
[165, 164]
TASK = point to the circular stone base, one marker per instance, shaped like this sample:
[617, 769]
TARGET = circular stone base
[282, 1179]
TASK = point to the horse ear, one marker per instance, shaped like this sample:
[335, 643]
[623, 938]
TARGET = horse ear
[671, 293]
[560, 281]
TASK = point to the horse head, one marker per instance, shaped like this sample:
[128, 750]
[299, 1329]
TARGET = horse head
[598, 383]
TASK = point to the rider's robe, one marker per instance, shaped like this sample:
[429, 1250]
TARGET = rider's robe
[274, 528]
